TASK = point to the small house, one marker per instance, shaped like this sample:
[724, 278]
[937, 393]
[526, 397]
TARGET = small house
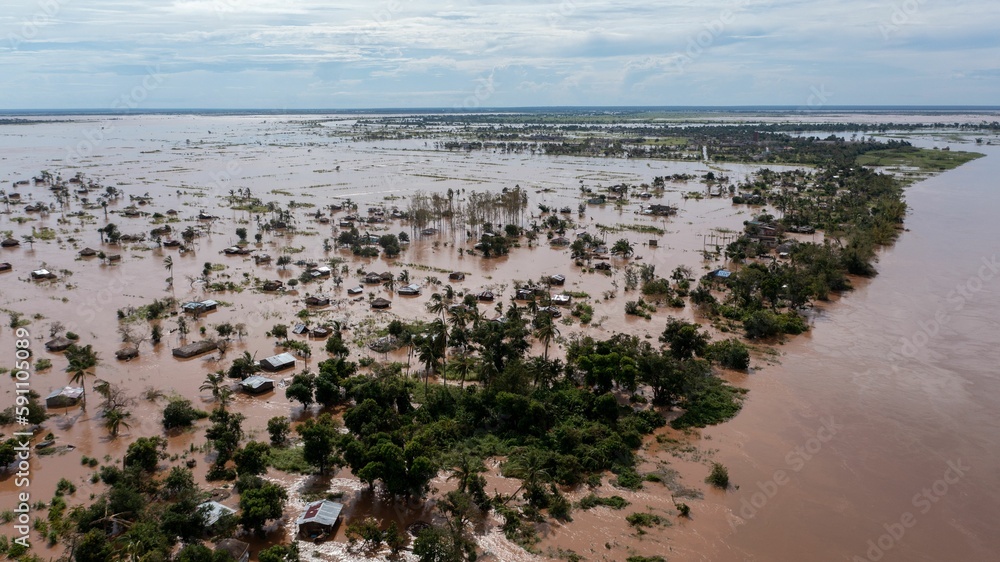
[58, 344]
[193, 349]
[262, 258]
[660, 210]
[355, 290]
[6, 266]
[486, 296]
[409, 290]
[722, 273]
[88, 252]
[381, 303]
[64, 397]
[559, 241]
[317, 301]
[215, 511]
[603, 266]
[524, 294]
[171, 243]
[40, 274]
[557, 279]
[456, 276]
[127, 354]
[551, 310]
[278, 362]
[372, 278]
[236, 549]
[257, 384]
[322, 271]
[9, 243]
[273, 285]
[319, 519]
[561, 299]
[320, 332]
[115, 258]
[300, 329]
[199, 307]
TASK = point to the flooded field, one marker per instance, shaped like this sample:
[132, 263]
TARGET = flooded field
[861, 414]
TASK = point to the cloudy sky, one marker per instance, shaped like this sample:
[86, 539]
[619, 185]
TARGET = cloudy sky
[297, 54]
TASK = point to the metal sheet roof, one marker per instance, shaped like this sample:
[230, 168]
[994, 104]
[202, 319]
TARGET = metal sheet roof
[324, 512]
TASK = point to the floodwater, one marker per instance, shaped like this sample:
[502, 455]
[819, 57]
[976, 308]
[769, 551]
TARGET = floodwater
[896, 423]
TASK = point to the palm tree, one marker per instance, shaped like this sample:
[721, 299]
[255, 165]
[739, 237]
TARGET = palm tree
[465, 469]
[428, 355]
[390, 284]
[439, 334]
[546, 332]
[529, 467]
[81, 361]
[213, 383]
[243, 366]
[115, 420]
[437, 305]
[464, 364]
[168, 264]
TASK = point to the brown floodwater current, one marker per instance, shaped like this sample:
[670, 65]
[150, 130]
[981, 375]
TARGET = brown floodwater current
[872, 437]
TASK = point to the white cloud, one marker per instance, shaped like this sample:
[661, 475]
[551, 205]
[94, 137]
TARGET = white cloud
[314, 53]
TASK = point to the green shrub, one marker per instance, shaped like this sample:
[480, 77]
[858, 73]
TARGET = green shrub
[180, 413]
[629, 479]
[719, 477]
[640, 520]
[593, 500]
[683, 509]
[731, 354]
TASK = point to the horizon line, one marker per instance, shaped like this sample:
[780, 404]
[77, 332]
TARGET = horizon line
[507, 109]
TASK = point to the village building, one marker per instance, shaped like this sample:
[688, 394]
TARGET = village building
[278, 362]
[409, 290]
[257, 384]
[236, 549]
[319, 519]
[64, 397]
[194, 349]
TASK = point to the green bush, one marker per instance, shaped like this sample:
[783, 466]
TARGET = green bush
[711, 403]
[731, 353]
[640, 520]
[719, 477]
[180, 413]
[593, 500]
[683, 509]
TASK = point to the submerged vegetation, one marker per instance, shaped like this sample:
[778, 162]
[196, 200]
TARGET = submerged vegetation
[506, 378]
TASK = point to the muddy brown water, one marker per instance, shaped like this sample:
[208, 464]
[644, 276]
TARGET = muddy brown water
[897, 423]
